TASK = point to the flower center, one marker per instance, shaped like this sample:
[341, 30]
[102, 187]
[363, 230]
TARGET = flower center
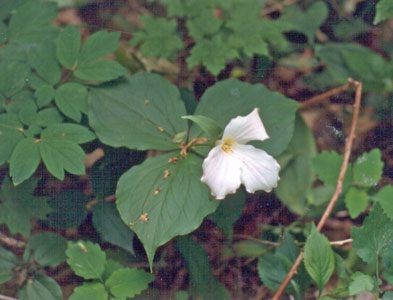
[227, 145]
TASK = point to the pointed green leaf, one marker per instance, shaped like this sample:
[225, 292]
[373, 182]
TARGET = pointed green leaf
[68, 45]
[71, 99]
[110, 267]
[367, 169]
[384, 11]
[161, 199]
[8, 262]
[41, 287]
[318, 258]
[112, 229]
[48, 116]
[372, 238]
[28, 113]
[86, 259]
[11, 133]
[19, 206]
[145, 117]
[385, 199]
[44, 95]
[24, 160]
[208, 125]
[13, 76]
[356, 201]
[128, 282]
[47, 249]
[90, 290]
[102, 70]
[230, 98]
[361, 282]
[73, 132]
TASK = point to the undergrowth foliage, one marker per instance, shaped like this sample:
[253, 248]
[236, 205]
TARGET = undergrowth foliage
[63, 96]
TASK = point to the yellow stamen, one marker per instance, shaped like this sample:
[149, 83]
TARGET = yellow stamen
[228, 143]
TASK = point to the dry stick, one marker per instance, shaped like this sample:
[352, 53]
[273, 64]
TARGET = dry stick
[325, 95]
[2, 297]
[340, 243]
[11, 242]
[347, 153]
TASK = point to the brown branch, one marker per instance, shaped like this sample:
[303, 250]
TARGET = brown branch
[11, 242]
[340, 243]
[2, 297]
[250, 238]
[325, 95]
[347, 153]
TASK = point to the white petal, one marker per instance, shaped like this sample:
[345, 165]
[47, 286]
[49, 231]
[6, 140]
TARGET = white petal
[221, 172]
[259, 170]
[245, 129]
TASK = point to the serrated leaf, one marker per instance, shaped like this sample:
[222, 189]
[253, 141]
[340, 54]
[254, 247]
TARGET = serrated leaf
[146, 117]
[8, 262]
[69, 209]
[11, 133]
[230, 98]
[110, 266]
[356, 201]
[208, 125]
[159, 37]
[361, 282]
[47, 249]
[13, 76]
[19, 206]
[372, 238]
[24, 160]
[203, 284]
[318, 258]
[384, 11]
[107, 222]
[102, 70]
[41, 287]
[86, 259]
[272, 270]
[71, 99]
[44, 95]
[43, 59]
[367, 169]
[48, 116]
[98, 45]
[385, 198]
[90, 290]
[206, 23]
[68, 45]
[161, 206]
[127, 282]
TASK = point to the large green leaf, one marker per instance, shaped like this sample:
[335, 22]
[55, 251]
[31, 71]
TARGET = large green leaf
[231, 98]
[13, 76]
[18, 206]
[71, 99]
[68, 45]
[161, 199]
[367, 169]
[12, 133]
[127, 282]
[41, 287]
[90, 290]
[143, 112]
[203, 284]
[384, 11]
[8, 262]
[86, 259]
[384, 198]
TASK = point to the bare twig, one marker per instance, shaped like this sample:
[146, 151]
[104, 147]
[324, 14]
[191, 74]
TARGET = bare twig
[323, 96]
[250, 238]
[340, 243]
[347, 153]
[2, 297]
[11, 242]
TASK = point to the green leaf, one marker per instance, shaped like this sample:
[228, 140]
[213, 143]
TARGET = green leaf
[102, 70]
[48, 116]
[110, 267]
[43, 59]
[161, 199]
[206, 23]
[145, 117]
[90, 290]
[384, 11]
[8, 262]
[98, 45]
[318, 258]
[107, 222]
[228, 212]
[13, 76]
[384, 198]
[159, 37]
[68, 45]
[24, 160]
[18, 101]
[32, 131]
[86, 259]
[72, 132]
[367, 169]
[127, 282]
[327, 165]
[212, 53]
[297, 175]
[372, 238]
[59, 154]
[8, 6]
[19, 206]
[230, 98]
[181, 295]
[48, 249]
[69, 209]
[29, 22]
[71, 99]
[203, 284]
[208, 125]
[356, 201]
[41, 287]
[44, 95]
[28, 113]
[12, 133]
[388, 296]
[272, 270]
[248, 248]
[361, 282]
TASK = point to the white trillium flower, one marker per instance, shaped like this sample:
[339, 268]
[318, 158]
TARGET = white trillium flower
[231, 162]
